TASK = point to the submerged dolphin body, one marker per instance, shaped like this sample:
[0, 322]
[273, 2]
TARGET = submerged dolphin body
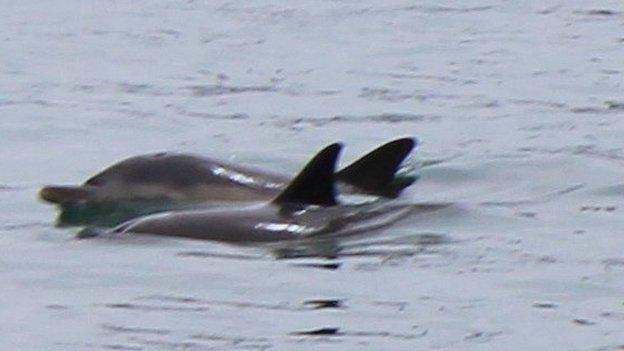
[306, 208]
[158, 182]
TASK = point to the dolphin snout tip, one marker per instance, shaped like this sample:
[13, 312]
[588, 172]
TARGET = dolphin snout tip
[63, 194]
[47, 194]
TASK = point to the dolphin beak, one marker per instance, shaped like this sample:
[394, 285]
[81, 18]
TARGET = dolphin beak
[65, 194]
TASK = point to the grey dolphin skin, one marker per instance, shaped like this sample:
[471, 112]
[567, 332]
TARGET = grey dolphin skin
[171, 178]
[307, 207]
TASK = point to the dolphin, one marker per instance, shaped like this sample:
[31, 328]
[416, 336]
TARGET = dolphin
[171, 177]
[305, 208]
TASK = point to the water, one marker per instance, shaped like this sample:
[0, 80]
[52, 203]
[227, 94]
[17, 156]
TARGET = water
[518, 107]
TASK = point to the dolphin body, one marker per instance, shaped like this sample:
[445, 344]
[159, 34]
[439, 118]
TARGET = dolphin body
[306, 208]
[183, 177]
[165, 181]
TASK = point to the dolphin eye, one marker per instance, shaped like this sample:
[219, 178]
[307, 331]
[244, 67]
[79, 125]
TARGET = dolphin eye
[95, 181]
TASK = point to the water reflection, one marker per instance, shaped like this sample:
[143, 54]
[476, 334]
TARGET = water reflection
[335, 248]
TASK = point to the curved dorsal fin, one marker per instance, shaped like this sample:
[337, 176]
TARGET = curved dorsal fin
[375, 171]
[314, 185]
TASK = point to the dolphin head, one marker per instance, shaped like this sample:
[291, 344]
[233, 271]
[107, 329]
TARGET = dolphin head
[154, 177]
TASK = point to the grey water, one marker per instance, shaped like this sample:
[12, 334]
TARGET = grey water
[518, 107]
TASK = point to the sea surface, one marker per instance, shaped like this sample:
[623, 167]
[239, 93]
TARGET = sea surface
[518, 107]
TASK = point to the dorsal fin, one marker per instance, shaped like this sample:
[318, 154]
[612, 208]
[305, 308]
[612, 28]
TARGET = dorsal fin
[314, 185]
[375, 171]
